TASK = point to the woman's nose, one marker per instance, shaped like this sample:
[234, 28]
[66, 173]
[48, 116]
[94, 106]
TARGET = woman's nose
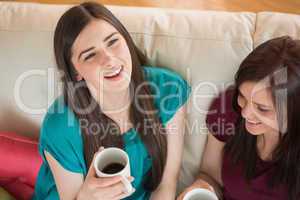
[105, 58]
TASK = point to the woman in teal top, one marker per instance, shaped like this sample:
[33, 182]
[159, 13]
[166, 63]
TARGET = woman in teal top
[109, 100]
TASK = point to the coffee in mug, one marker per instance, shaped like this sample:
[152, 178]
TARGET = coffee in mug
[112, 162]
[113, 168]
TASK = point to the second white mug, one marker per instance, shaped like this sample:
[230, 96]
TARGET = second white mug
[200, 194]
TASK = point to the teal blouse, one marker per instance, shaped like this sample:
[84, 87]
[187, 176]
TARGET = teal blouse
[61, 135]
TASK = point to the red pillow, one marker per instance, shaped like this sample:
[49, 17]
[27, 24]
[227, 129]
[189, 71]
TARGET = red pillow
[20, 163]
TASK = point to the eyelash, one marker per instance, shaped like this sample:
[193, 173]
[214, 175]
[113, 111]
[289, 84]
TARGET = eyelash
[241, 98]
[89, 56]
[262, 109]
[111, 42]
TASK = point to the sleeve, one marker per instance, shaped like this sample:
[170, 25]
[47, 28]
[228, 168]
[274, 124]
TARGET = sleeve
[60, 136]
[172, 91]
[221, 118]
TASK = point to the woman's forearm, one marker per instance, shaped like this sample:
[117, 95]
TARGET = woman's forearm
[212, 182]
[164, 191]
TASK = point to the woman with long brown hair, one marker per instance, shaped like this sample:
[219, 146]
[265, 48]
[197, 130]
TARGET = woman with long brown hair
[261, 160]
[110, 100]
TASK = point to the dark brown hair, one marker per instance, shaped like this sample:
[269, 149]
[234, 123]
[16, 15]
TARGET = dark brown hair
[68, 28]
[278, 60]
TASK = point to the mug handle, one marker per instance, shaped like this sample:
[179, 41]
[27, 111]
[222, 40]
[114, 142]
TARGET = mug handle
[127, 184]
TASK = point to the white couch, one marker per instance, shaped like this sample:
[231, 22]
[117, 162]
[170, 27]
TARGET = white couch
[205, 47]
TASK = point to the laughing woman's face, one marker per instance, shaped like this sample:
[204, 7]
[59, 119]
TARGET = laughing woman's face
[102, 58]
[257, 108]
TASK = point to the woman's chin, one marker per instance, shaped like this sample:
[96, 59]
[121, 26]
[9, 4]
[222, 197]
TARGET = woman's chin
[119, 86]
[254, 129]
[120, 83]
[252, 132]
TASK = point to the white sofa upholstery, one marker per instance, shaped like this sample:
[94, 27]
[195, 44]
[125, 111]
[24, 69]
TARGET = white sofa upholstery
[205, 47]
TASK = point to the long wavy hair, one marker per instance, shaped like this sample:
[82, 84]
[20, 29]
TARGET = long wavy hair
[278, 60]
[69, 26]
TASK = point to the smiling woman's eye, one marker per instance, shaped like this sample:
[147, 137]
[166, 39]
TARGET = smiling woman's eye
[89, 56]
[262, 109]
[111, 42]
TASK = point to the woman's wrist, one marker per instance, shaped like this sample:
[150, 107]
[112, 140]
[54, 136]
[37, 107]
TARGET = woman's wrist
[171, 187]
[169, 183]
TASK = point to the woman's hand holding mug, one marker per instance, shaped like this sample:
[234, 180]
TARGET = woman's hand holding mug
[200, 185]
[107, 186]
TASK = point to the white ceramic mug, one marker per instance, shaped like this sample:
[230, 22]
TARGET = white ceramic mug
[110, 156]
[200, 194]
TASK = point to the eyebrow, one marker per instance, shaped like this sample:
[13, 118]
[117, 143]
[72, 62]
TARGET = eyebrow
[259, 104]
[85, 51]
[109, 36]
[91, 48]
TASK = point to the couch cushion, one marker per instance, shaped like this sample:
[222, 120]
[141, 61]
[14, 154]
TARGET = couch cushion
[271, 24]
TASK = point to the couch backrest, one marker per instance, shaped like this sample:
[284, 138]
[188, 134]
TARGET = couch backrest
[205, 47]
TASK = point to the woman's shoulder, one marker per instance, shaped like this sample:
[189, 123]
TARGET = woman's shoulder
[58, 113]
[170, 90]
[60, 136]
[166, 81]
[59, 121]
[161, 74]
